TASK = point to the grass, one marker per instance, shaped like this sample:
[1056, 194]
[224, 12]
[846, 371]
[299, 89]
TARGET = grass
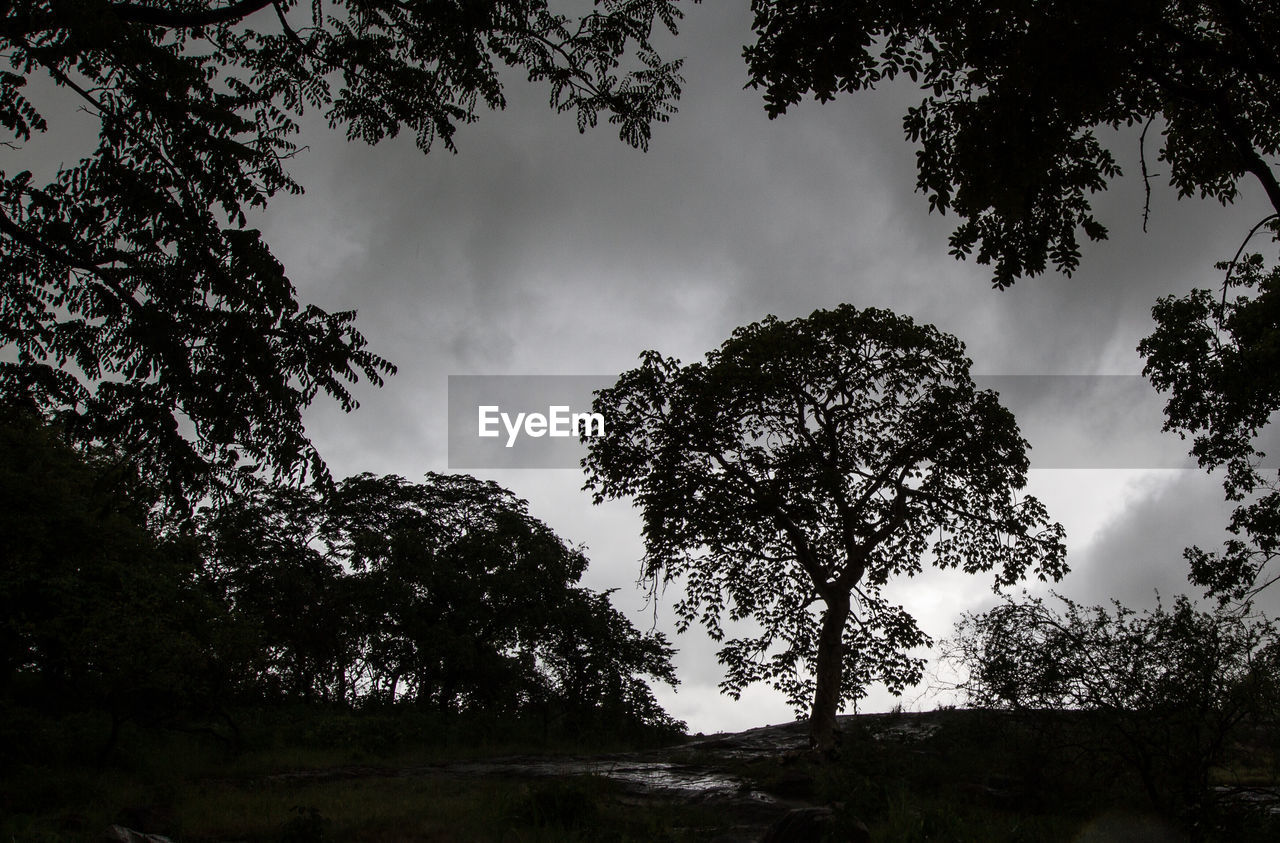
[982, 776]
[991, 776]
[371, 808]
[195, 787]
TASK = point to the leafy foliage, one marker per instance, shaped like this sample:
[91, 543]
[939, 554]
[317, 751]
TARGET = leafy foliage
[1219, 360]
[94, 608]
[445, 593]
[814, 460]
[136, 302]
[1171, 685]
[1016, 89]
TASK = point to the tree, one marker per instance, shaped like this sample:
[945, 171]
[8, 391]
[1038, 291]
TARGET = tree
[96, 611]
[458, 585]
[1219, 360]
[1016, 89]
[808, 462]
[136, 303]
[1166, 688]
[595, 659]
[445, 594]
[291, 605]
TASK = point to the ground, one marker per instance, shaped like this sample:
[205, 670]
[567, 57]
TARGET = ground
[946, 776]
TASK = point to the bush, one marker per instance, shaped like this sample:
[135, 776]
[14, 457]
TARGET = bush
[1166, 689]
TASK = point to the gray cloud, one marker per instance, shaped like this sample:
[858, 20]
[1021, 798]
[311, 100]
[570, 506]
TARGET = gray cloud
[539, 251]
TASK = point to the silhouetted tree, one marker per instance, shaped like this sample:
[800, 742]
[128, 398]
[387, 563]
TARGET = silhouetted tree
[445, 593]
[458, 583]
[1014, 91]
[595, 660]
[136, 302]
[292, 607]
[96, 611]
[1218, 357]
[1166, 688]
[803, 465]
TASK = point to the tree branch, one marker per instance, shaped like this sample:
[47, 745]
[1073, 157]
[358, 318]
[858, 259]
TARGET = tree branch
[1226, 281]
[1254, 164]
[1218, 104]
[26, 238]
[153, 16]
[288, 30]
[804, 554]
[1146, 176]
[31, 241]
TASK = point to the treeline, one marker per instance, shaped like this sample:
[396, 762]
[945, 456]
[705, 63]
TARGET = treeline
[443, 595]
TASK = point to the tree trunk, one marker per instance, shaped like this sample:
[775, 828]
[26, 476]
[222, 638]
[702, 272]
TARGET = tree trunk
[392, 687]
[830, 670]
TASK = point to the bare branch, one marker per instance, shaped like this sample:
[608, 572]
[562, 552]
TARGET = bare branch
[1146, 177]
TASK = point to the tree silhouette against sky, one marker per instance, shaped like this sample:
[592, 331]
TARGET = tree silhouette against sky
[804, 465]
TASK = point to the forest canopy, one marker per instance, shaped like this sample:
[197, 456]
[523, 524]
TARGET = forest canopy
[443, 595]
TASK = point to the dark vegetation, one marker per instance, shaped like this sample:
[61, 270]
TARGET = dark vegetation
[1006, 776]
[302, 772]
[1025, 775]
[802, 467]
[380, 617]
[195, 641]
[1164, 696]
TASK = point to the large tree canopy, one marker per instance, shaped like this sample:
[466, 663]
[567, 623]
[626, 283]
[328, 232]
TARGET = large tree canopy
[444, 593]
[809, 462]
[134, 299]
[95, 609]
[1015, 89]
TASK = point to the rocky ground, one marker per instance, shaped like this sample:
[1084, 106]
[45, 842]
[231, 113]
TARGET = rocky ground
[764, 784]
[710, 770]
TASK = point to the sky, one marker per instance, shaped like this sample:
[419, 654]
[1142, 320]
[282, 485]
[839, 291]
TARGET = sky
[539, 251]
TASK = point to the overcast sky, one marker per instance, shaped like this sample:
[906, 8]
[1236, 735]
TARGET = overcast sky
[537, 250]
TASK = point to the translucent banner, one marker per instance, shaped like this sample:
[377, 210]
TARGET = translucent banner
[1071, 421]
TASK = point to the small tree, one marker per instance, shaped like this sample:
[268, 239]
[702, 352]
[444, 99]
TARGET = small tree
[808, 462]
[1166, 687]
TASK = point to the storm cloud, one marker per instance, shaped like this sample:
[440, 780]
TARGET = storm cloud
[536, 250]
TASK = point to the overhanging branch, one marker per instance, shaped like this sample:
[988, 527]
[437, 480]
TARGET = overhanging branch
[157, 16]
